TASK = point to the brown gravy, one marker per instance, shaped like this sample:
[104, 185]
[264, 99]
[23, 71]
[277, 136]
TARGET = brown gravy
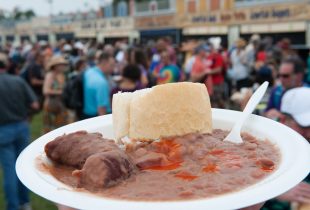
[190, 167]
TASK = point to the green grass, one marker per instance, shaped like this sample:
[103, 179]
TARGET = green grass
[37, 202]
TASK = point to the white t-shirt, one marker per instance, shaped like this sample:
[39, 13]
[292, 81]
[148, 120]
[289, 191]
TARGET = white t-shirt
[239, 69]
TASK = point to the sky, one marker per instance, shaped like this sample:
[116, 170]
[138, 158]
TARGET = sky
[42, 7]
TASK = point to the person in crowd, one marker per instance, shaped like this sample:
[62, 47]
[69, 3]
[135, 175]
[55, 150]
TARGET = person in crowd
[91, 58]
[295, 113]
[239, 71]
[74, 84]
[251, 49]
[35, 75]
[286, 49]
[217, 73]
[189, 49]
[202, 67]
[166, 71]
[14, 132]
[139, 59]
[170, 49]
[80, 66]
[291, 74]
[260, 57]
[131, 80]
[97, 88]
[54, 112]
[59, 46]
[156, 51]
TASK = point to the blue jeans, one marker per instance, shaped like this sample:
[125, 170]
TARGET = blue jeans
[14, 138]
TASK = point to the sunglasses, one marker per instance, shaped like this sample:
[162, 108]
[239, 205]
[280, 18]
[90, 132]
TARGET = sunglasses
[285, 76]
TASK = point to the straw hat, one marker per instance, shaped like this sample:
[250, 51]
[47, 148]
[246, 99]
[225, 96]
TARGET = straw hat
[56, 60]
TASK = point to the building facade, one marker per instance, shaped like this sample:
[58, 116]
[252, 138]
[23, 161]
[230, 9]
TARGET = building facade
[231, 19]
[179, 19]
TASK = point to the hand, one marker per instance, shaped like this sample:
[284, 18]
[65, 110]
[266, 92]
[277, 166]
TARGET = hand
[273, 114]
[300, 193]
[35, 106]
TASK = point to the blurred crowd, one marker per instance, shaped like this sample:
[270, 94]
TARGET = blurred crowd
[76, 80]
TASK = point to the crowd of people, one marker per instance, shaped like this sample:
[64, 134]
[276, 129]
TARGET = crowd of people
[76, 80]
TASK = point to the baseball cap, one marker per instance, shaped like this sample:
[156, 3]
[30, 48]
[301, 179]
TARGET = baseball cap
[67, 47]
[203, 47]
[296, 103]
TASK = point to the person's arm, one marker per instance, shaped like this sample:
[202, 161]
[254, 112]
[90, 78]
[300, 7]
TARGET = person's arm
[219, 62]
[32, 100]
[196, 77]
[36, 82]
[47, 86]
[216, 70]
[144, 80]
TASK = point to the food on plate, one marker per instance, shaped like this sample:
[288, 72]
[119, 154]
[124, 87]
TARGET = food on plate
[183, 157]
[104, 169]
[173, 109]
[185, 167]
[99, 162]
[61, 149]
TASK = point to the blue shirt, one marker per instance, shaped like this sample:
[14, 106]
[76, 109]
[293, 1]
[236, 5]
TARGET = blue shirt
[96, 92]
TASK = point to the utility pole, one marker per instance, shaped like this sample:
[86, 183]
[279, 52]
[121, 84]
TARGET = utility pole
[50, 2]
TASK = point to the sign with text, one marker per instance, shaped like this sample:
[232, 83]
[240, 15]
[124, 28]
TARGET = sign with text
[154, 22]
[286, 12]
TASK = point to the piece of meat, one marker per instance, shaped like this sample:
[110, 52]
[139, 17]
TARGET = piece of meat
[151, 159]
[73, 149]
[104, 170]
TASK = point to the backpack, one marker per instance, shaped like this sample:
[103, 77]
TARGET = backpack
[73, 93]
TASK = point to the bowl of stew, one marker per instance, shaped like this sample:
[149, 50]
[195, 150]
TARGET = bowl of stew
[194, 171]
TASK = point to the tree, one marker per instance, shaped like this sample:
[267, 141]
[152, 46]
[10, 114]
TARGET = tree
[29, 14]
[18, 14]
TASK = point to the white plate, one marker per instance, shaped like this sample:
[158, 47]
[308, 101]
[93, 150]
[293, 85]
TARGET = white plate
[294, 167]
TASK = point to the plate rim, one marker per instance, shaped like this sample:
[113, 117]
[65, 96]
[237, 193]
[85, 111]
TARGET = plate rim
[31, 179]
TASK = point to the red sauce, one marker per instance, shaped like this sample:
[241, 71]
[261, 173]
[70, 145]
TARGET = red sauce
[217, 152]
[171, 166]
[211, 168]
[170, 149]
[186, 176]
[266, 165]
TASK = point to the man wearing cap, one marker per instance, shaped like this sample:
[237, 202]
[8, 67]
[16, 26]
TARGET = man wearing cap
[295, 113]
[16, 100]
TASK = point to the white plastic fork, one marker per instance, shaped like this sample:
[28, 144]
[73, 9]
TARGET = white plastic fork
[234, 135]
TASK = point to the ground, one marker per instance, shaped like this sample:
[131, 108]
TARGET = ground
[37, 202]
